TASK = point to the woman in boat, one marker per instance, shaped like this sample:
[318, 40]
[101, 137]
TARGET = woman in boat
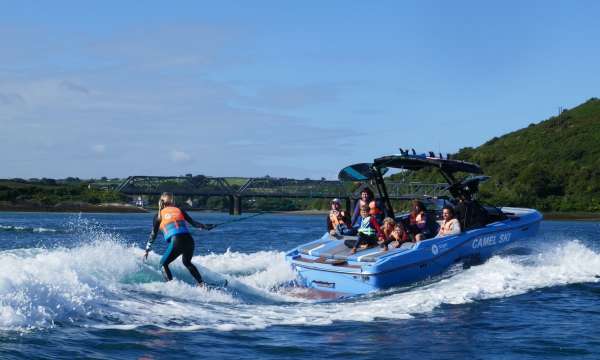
[418, 221]
[375, 211]
[393, 234]
[171, 220]
[337, 220]
[450, 225]
[369, 230]
[366, 196]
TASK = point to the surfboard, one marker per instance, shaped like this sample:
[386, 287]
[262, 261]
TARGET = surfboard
[220, 284]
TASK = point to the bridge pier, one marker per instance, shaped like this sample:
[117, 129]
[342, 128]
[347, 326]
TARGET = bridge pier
[235, 205]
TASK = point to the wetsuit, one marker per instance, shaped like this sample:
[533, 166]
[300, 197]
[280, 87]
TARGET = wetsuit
[172, 223]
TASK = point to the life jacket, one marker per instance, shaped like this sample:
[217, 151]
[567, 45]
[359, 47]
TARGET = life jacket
[172, 222]
[447, 226]
[416, 219]
[373, 209]
[366, 227]
[336, 217]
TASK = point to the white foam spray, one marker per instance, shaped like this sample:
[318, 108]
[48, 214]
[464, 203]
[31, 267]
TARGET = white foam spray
[105, 283]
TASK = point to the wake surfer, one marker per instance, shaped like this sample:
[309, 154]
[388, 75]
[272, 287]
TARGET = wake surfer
[171, 220]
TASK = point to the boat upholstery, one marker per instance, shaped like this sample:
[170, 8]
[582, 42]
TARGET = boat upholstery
[335, 248]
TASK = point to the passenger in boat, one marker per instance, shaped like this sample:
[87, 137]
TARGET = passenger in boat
[337, 221]
[171, 220]
[375, 211]
[393, 234]
[366, 196]
[418, 222]
[369, 230]
[450, 225]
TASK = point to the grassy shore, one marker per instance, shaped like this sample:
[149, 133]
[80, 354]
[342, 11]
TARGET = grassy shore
[576, 216]
[72, 207]
[127, 208]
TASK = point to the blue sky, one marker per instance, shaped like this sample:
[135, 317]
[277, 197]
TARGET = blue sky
[294, 89]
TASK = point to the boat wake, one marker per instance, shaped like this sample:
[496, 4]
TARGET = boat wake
[106, 284]
[13, 228]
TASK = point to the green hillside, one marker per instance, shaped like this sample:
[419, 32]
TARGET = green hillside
[553, 165]
[50, 192]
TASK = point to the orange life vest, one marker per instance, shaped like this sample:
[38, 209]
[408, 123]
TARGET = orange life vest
[172, 222]
[336, 217]
[373, 209]
[447, 226]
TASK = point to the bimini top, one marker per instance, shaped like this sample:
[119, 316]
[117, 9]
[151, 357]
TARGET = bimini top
[417, 162]
[367, 171]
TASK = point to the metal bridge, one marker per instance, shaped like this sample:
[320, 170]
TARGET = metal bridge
[236, 188]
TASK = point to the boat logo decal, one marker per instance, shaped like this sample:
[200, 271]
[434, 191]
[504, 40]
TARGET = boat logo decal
[434, 249]
[491, 240]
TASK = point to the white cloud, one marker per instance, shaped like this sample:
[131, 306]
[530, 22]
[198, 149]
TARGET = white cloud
[180, 156]
[10, 98]
[99, 148]
[92, 108]
[71, 86]
[294, 97]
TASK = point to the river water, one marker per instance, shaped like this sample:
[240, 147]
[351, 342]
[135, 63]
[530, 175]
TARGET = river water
[75, 286]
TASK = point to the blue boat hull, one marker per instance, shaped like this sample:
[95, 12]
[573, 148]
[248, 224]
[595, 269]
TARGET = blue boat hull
[372, 270]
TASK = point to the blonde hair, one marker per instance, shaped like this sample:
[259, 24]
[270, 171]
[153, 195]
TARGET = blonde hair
[389, 220]
[166, 199]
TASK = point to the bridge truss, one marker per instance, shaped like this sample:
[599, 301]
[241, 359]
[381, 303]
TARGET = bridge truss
[267, 187]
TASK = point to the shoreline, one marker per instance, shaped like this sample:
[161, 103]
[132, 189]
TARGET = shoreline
[83, 208]
[573, 216]
[304, 212]
[126, 208]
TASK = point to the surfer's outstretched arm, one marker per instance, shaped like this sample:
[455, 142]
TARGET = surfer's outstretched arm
[153, 234]
[193, 222]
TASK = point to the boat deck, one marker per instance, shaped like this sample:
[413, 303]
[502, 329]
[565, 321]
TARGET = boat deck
[334, 249]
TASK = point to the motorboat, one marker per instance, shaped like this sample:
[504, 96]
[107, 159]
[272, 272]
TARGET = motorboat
[327, 263]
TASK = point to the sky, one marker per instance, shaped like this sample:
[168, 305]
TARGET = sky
[279, 88]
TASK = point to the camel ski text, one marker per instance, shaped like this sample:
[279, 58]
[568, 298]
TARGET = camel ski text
[491, 240]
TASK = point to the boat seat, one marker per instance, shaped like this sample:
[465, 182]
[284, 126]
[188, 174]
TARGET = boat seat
[334, 248]
[338, 250]
[306, 249]
[374, 255]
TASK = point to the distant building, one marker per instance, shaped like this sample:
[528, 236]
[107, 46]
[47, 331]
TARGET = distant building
[139, 202]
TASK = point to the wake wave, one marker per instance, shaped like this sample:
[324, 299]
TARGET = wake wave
[106, 284]
[13, 228]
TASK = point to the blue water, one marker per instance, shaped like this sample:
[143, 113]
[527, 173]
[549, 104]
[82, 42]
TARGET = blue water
[75, 286]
